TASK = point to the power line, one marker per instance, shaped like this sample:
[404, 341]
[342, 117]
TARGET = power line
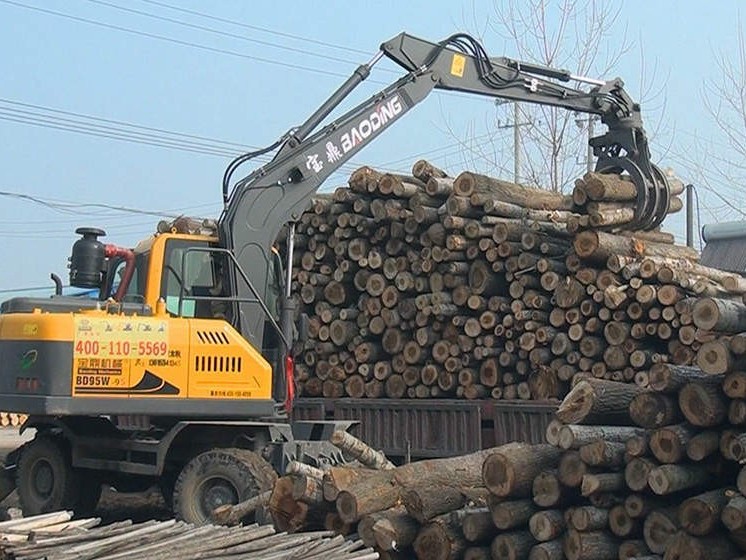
[223, 33]
[75, 207]
[129, 124]
[257, 28]
[40, 119]
[173, 40]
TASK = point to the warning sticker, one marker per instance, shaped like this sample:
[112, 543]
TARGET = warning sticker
[458, 64]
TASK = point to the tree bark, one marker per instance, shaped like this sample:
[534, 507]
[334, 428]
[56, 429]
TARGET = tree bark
[361, 451]
[714, 314]
[667, 479]
[468, 183]
[426, 502]
[597, 401]
[575, 436]
[599, 246]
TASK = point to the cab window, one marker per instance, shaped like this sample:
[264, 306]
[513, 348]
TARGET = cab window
[192, 271]
[136, 289]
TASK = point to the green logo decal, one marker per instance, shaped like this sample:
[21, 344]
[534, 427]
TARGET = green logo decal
[29, 359]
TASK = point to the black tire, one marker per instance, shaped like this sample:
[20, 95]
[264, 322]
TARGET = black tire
[166, 484]
[89, 493]
[45, 478]
[219, 477]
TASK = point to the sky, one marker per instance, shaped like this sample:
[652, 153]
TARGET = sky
[191, 84]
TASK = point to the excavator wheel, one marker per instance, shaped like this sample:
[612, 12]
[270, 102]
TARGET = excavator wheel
[45, 477]
[89, 493]
[219, 477]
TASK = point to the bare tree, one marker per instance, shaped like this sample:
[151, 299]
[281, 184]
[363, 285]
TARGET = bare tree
[718, 165]
[571, 34]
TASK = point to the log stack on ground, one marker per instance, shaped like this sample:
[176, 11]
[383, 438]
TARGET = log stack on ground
[57, 535]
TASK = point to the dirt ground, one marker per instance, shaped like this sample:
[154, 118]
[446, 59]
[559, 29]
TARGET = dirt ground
[114, 506]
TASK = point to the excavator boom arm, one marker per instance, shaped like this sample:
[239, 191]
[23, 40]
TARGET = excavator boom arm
[263, 202]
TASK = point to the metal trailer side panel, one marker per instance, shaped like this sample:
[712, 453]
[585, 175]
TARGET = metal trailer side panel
[431, 428]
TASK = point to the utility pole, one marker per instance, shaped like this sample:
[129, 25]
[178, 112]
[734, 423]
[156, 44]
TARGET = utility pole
[583, 122]
[690, 215]
[516, 146]
[589, 160]
[516, 136]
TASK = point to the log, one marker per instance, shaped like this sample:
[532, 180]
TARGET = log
[308, 489]
[337, 479]
[703, 405]
[441, 539]
[588, 518]
[511, 472]
[597, 401]
[426, 502]
[511, 514]
[383, 490]
[722, 315]
[599, 246]
[669, 443]
[670, 378]
[233, 514]
[395, 531]
[608, 187]
[621, 524]
[734, 513]
[713, 547]
[603, 453]
[597, 545]
[360, 451]
[287, 514]
[477, 525]
[653, 410]
[551, 550]
[659, 528]
[667, 479]
[365, 526]
[699, 515]
[601, 483]
[547, 525]
[477, 553]
[702, 445]
[637, 473]
[547, 490]
[375, 493]
[715, 357]
[634, 549]
[571, 469]
[575, 436]
[512, 546]
[468, 183]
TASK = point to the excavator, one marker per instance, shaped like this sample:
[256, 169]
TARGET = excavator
[181, 373]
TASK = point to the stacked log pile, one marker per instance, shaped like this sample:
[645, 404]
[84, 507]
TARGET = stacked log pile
[659, 467]
[55, 536]
[427, 286]
[627, 473]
